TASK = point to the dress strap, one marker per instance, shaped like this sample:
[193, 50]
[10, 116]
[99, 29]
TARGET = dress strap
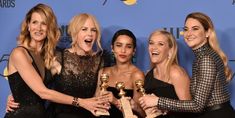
[33, 63]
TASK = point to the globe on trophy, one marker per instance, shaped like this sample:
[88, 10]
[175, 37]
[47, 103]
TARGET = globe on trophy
[140, 88]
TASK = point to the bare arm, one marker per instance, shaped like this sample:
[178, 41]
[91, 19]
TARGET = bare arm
[138, 75]
[21, 62]
[181, 82]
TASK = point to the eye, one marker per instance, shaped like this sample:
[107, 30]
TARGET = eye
[94, 30]
[150, 42]
[161, 44]
[195, 28]
[185, 29]
[34, 22]
[129, 46]
[84, 29]
[118, 45]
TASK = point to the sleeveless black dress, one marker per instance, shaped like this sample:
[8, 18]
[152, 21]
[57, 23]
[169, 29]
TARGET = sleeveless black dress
[162, 89]
[114, 111]
[31, 105]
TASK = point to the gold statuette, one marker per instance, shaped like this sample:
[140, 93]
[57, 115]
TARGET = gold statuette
[103, 86]
[125, 103]
[140, 88]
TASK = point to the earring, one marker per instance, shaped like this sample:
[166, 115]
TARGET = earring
[29, 29]
[112, 58]
[133, 59]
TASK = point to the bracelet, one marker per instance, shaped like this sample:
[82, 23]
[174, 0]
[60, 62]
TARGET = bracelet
[75, 102]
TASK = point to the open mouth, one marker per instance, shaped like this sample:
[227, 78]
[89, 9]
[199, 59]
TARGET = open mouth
[88, 41]
[155, 53]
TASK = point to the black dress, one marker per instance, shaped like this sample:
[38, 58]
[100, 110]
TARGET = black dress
[114, 111]
[31, 105]
[78, 78]
[162, 89]
[208, 87]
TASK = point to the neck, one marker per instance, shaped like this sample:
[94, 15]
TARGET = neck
[160, 68]
[79, 51]
[36, 46]
[122, 67]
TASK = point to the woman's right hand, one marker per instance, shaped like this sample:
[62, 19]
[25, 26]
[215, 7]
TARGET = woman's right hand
[95, 104]
[11, 104]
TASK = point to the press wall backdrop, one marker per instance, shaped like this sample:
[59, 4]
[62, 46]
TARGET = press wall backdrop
[140, 16]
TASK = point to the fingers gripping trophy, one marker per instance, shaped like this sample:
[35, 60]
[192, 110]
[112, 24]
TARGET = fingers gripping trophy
[125, 103]
[139, 84]
[103, 87]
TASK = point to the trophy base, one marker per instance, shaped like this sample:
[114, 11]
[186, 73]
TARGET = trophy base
[153, 115]
[99, 113]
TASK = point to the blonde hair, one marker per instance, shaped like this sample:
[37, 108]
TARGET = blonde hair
[53, 32]
[76, 24]
[212, 39]
[172, 60]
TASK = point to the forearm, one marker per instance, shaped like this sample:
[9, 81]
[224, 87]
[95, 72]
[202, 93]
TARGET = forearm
[179, 105]
[55, 96]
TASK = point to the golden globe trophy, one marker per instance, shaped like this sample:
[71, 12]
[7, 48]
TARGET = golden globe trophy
[103, 86]
[125, 103]
[140, 88]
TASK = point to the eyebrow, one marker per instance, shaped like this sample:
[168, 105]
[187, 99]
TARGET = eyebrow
[193, 26]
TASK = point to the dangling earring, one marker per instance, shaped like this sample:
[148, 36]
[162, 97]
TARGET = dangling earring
[29, 29]
[113, 58]
[133, 60]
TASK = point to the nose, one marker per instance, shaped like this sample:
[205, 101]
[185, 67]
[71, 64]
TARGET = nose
[123, 49]
[188, 33]
[89, 32]
[39, 27]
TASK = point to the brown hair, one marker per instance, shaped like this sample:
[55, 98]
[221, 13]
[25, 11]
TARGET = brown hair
[212, 39]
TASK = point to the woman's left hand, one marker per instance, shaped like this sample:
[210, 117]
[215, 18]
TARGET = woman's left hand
[148, 101]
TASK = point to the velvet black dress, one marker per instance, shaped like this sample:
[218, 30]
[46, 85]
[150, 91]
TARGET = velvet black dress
[31, 105]
[162, 89]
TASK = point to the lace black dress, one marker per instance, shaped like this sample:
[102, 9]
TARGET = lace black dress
[31, 105]
[162, 89]
[78, 78]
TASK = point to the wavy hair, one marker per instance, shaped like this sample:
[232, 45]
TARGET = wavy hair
[172, 60]
[76, 24]
[53, 32]
[212, 39]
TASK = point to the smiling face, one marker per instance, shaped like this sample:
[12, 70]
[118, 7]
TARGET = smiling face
[86, 37]
[123, 49]
[194, 33]
[159, 49]
[37, 27]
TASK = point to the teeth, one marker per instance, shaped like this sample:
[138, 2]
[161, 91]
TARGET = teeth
[38, 33]
[155, 53]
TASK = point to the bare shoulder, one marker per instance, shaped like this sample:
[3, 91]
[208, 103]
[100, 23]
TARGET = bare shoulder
[177, 72]
[18, 57]
[137, 74]
[18, 54]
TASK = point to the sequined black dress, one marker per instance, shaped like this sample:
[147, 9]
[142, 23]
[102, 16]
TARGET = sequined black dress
[31, 105]
[161, 89]
[78, 78]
